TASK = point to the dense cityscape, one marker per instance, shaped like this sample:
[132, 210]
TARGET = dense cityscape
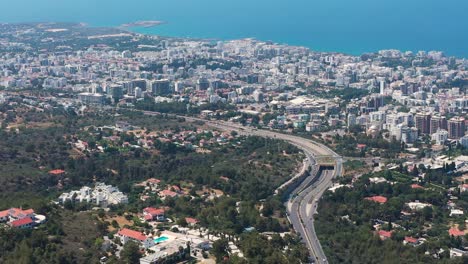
[118, 147]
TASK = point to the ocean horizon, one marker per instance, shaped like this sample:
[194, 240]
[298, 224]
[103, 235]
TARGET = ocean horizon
[352, 27]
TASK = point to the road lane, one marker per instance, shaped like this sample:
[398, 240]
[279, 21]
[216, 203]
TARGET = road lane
[304, 199]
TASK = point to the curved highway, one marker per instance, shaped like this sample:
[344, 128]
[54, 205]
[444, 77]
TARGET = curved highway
[304, 199]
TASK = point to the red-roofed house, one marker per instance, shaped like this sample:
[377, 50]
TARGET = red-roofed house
[13, 214]
[154, 214]
[410, 241]
[4, 216]
[377, 199]
[20, 218]
[385, 234]
[26, 222]
[361, 146]
[416, 186]
[456, 232]
[126, 235]
[153, 181]
[165, 193]
[20, 213]
[191, 221]
[56, 172]
[176, 188]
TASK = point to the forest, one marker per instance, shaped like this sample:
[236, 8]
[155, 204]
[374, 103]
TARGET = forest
[346, 220]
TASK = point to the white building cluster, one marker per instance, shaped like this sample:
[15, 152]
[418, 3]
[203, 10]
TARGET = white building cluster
[101, 195]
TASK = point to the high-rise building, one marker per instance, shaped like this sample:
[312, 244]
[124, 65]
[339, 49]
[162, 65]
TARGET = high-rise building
[372, 103]
[456, 127]
[126, 54]
[203, 84]
[128, 86]
[91, 98]
[409, 134]
[210, 91]
[464, 141]
[96, 88]
[404, 133]
[214, 99]
[351, 120]
[377, 116]
[161, 87]
[115, 91]
[440, 136]
[178, 87]
[423, 122]
[139, 83]
[382, 86]
[138, 92]
[437, 122]
[258, 96]
[232, 97]
[252, 78]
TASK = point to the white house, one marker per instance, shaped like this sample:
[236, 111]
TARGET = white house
[126, 235]
[455, 252]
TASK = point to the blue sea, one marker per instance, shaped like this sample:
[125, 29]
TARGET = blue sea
[350, 26]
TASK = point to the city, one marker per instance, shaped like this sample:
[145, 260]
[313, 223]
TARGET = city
[137, 148]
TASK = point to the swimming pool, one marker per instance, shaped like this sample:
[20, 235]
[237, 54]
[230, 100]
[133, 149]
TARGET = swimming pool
[160, 239]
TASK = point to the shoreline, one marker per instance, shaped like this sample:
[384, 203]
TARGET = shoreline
[149, 31]
[148, 28]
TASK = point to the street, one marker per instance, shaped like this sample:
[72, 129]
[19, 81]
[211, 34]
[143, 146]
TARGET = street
[304, 199]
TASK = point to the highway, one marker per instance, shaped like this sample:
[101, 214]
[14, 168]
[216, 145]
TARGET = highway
[302, 209]
[303, 203]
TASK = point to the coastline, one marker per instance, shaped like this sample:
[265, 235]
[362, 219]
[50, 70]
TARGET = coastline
[350, 27]
[165, 29]
[159, 31]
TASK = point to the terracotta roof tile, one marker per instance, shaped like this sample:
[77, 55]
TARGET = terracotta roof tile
[132, 234]
[377, 199]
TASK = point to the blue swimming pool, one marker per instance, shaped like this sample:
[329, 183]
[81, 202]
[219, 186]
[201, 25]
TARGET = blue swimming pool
[160, 239]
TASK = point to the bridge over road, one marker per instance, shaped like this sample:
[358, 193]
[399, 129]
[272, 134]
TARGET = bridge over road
[302, 207]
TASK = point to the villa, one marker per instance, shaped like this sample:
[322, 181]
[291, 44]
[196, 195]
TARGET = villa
[19, 218]
[385, 234]
[126, 235]
[154, 214]
[191, 221]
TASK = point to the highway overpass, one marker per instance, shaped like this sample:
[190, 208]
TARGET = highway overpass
[325, 165]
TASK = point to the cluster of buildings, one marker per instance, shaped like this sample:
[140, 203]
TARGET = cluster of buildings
[200, 140]
[153, 188]
[403, 96]
[19, 218]
[168, 246]
[409, 126]
[410, 94]
[101, 195]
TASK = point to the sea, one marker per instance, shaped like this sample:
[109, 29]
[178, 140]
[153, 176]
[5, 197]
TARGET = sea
[348, 26]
